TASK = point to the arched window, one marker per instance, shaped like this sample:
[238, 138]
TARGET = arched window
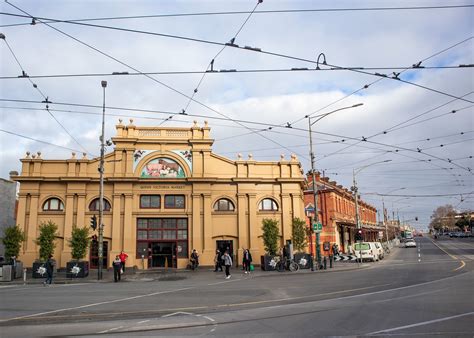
[94, 206]
[53, 204]
[224, 204]
[268, 204]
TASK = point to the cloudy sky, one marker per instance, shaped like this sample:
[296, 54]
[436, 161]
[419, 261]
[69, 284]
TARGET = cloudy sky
[421, 119]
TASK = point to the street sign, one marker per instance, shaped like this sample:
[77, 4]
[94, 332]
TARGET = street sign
[317, 226]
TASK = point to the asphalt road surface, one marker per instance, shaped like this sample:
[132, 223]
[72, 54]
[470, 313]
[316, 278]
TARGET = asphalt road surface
[424, 291]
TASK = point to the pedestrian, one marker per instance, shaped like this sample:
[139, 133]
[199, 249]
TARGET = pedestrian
[123, 257]
[194, 259]
[247, 260]
[117, 265]
[217, 261]
[228, 263]
[49, 266]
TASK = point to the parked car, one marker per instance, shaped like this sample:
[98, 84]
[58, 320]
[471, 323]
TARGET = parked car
[366, 251]
[410, 244]
[379, 250]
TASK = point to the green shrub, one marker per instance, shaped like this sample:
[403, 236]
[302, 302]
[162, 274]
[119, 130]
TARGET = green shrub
[299, 234]
[79, 242]
[46, 239]
[12, 239]
[270, 235]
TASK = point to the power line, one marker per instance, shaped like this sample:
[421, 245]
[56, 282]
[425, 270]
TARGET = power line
[362, 9]
[35, 86]
[248, 48]
[148, 76]
[211, 64]
[397, 148]
[227, 71]
[40, 141]
[438, 195]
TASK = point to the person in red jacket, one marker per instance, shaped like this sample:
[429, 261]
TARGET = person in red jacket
[123, 257]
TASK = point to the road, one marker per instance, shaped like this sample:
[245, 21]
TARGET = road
[423, 292]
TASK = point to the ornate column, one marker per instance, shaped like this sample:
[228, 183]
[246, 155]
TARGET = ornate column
[285, 217]
[81, 211]
[197, 242]
[32, 225]
[252, 222]
[67, 229]
[209, 248]
[116, 225]
[129, 230]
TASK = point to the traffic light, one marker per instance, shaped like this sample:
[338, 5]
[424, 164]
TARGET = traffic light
[358, 235]
[94, 222]
[416, 219]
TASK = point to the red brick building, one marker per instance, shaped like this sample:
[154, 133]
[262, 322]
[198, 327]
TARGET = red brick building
[336, 210]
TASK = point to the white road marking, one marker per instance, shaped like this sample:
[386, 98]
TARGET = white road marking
[226, 281]
[21, 287]
[94, 304]
[177, 313]
[143, 321]
[209, 318]
[112, 329]
[422, 323]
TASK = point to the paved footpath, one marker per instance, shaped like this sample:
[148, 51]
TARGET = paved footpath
[202, 273]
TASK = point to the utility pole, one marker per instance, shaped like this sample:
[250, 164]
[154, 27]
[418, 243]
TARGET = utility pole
[101, 188]
[315, 196]
[384, 220]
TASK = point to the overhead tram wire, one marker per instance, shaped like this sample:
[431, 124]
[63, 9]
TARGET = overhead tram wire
[247, 48]
[256, 12]
[211, 64]
[148, 76]
[227, 72]
[397, 149]
[41, 141]
[46, 100]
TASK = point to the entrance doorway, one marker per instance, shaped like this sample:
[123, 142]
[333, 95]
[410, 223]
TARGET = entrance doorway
[94, 254]
[228, 245]
[162, 255]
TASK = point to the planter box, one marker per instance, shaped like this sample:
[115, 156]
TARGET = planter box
[83, 269]
[36, 265]
[265, 263]
[300, 258]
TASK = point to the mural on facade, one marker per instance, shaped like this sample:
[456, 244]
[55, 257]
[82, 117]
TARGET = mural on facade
[139, 154]
[162, 167]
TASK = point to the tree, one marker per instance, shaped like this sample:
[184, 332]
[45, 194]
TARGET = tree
[12, 240]
[46, 239]
[299, 234]
[79, 242]
[443, 217]
[270, 235]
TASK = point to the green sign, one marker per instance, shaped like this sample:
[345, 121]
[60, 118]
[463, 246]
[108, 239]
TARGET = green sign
[317, 226]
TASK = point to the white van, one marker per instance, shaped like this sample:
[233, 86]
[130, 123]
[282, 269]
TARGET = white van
[379, 250]
[366, 251]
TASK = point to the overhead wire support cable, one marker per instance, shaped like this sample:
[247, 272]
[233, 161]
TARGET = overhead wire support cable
[218, 72]
[234, 46]
[148, 76]
[315, 10]
[46, 98]
[211, 64]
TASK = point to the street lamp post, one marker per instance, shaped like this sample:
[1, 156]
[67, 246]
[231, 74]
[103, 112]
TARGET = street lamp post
[101, 188]
[356, 198]
[315, 187]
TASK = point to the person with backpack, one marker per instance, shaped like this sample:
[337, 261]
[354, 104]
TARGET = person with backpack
[117, 265]
[194, 259]
[217, 261]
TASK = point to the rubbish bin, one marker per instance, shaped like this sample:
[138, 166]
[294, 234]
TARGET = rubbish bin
[7, 273]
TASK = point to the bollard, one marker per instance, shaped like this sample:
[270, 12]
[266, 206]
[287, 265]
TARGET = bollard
[325, 262]
[331, 257]
[24, 276]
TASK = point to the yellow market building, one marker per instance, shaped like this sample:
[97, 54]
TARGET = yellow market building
[165, 193]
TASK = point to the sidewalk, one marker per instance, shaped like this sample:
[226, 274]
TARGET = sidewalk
[202, 273]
